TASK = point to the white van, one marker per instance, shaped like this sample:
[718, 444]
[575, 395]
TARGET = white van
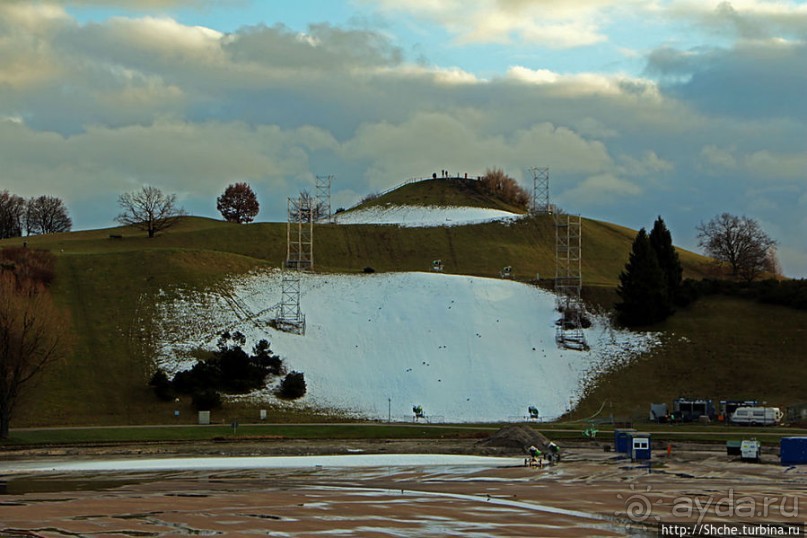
[758, 416]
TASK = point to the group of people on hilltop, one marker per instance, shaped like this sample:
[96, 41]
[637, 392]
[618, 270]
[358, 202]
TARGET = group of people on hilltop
[445, 175]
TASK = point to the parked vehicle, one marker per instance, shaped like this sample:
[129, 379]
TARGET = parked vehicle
[757, 416]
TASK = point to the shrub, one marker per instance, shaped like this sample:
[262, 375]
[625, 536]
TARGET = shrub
[162, 386]
[293, 386]
[206, 400]
[369, 270]
[496, 183]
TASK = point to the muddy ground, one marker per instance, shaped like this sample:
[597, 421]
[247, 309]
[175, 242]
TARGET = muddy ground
[589, 493]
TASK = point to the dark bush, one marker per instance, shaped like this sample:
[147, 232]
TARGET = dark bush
[230, 369]
[369, 270]
[293, 386]
[206, 400]
[162, 386]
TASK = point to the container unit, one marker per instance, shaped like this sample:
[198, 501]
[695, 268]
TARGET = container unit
[690, 410]
[622, 440]
[793, 450]
[640, 446]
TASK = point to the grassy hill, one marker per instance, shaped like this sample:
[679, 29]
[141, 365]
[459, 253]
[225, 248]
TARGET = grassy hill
[110, 287]
[440, 192]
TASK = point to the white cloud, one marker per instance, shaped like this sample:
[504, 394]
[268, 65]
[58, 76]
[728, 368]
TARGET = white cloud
[601, 189]
[718, 159]
[766, 164]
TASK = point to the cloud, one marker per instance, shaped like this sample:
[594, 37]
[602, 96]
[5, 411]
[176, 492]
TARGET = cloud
[752, 80]
[601, 189]
[551, 24]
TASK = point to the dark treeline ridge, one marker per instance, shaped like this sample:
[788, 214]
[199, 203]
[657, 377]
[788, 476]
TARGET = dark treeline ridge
[789, 293]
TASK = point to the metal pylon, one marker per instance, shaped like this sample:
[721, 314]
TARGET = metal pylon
[569, 281]
[323, 206]
[540, 191]
[299, 258]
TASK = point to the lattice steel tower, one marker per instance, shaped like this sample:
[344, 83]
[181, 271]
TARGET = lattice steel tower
[299, 258]
[323, 206]
[540, 191]
[569, 281]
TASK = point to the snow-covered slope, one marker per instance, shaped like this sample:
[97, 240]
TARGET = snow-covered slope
[464, 348]
[424, 216]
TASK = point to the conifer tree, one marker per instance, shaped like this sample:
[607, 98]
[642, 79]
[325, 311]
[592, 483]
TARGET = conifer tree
[642, 286]
[661, 241]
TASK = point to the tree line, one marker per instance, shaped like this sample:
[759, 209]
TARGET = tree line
[651, 286]
[37, 215]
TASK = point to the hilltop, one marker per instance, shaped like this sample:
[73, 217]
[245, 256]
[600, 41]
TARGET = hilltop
[114, 281]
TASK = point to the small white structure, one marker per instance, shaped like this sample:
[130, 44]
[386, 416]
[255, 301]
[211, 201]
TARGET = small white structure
[204, 418]
[757, 416]
[750, 450]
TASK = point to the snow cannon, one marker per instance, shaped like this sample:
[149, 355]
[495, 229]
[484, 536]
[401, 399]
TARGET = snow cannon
[533, 411]
[437, 266]
[418, 411]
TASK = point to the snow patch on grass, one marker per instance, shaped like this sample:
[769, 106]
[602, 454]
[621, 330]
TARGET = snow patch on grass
[425, 216]
[465, 348]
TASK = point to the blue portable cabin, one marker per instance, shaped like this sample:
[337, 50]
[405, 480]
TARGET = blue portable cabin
[640, 446]
[793, 450]
[622, 440]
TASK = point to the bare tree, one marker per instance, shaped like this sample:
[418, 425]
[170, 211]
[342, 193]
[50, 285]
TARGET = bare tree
[149, 209]
[45, 215]
[497, 183]
[33, 335]
[238, 203]
[12, 215]
[738, 241]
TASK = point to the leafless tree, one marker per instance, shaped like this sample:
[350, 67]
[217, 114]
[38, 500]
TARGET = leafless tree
[46, 214]
[149, 209]
[33, 335]
[495, 182]
[308, 208]
[738, 241]
[12, 215]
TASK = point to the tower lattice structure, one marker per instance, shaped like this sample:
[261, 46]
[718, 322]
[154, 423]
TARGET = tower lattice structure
[569, 281]
[299, 259]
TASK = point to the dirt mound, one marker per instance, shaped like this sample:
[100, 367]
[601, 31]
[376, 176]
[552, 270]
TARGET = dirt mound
[516, 438]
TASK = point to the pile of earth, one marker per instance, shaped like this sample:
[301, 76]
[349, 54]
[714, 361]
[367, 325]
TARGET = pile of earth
[515, 439]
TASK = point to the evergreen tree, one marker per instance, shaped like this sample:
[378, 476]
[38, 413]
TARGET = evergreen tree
[642, 286]
[661, 241]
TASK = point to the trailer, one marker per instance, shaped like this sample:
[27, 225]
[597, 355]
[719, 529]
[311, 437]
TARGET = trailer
[757, 416]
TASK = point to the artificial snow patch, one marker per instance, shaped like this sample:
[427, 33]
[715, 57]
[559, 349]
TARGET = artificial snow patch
[464, 348]
[425, 216]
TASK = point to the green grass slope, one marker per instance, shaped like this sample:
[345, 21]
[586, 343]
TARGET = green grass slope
[110, 286]
[719, 348]
[441, 192]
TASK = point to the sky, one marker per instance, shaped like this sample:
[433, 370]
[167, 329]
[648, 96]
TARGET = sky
[680, 108]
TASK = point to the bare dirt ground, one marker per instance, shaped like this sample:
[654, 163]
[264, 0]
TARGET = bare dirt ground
[589, 493]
